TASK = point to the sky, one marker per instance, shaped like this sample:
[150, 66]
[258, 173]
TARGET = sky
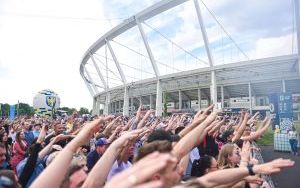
[42, 42]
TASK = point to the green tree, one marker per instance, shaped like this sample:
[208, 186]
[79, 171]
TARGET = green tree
[83, 111]
[25, 109]
[5, 109]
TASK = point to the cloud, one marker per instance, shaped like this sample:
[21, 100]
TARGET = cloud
[274, 46]
[42, 45]
[42, 42]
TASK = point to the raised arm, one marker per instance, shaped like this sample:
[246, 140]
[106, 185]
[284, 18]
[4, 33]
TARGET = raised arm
[51, 177]
[193, 138]
[240, 130]
[259, 132]
[199, 118]
[227, 176]
[143, 121]
[99, 172]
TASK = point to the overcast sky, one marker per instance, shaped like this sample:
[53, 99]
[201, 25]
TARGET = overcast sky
[42, 41]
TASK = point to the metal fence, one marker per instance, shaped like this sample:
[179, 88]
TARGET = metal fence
[257, 155]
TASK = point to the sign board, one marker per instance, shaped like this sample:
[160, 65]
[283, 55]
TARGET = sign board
[11, 112]
[273, 99]
[285, 111]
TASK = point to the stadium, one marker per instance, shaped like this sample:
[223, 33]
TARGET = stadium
[120, 77]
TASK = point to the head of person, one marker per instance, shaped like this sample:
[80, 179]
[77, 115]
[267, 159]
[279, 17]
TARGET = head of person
[247, 131]
[229, 156]
[101, 145]
[126, 153]
[2, 154]
[293, 129]
[80, 160]
[59, 128]
[204, 165]
[4, 137]
[8, 179]
[20, 136]
[37, 127]
[171, 175]
[75, 177]
[27, 125]
[161, 134]
[227, 135]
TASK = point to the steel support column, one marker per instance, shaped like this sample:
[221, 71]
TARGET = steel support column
[126, 102]
[93, 84]
[180, 99]
[151, 101]
[158, 111]
[283, 86]
[99, 72]
[150, 54]
[250, 97]
[222, 96]
[107, 103]
[213, 89]
[199, 98]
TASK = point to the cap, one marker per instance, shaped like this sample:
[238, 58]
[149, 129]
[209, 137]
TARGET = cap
[101, 142]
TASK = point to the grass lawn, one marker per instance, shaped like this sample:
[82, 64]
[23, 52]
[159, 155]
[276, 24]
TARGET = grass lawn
[268, 137]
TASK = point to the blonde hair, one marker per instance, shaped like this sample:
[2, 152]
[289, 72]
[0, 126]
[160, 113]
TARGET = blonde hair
[224, 153]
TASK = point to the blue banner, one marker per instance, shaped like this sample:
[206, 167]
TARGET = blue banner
[273, 100]
[285, 111]
[11, 112]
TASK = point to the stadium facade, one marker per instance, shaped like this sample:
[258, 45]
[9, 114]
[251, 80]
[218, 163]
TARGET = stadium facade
[244, 84]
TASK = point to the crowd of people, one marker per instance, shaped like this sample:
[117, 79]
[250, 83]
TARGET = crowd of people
[206, 149]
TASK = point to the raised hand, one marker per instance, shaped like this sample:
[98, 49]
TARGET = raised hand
[141, 172]
[273, 166]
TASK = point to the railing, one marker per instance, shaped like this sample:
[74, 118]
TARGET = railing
[257, 155]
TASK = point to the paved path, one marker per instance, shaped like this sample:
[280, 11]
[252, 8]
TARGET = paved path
[288, 178]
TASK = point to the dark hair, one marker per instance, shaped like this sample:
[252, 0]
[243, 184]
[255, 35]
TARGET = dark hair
[178, 130]
[199, 166]
[159, 134]
[18, 139]
[160, 146]
[8, 179]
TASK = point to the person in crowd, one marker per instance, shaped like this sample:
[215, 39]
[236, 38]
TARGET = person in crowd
[7, 143]
[29, 136]
[8, 179]
[75, 177]
[293, 139]
[122, 163]
[36, 129]
[19, 150]
[94, 156]
[2, 156]
[229, 156]
[204, 165]
[161, 157]
[58, 128]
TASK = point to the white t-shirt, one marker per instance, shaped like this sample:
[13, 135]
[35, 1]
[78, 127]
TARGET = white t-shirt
[292, 135]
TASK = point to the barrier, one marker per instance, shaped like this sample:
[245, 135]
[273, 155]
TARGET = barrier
[281, 142]
[257, 155]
